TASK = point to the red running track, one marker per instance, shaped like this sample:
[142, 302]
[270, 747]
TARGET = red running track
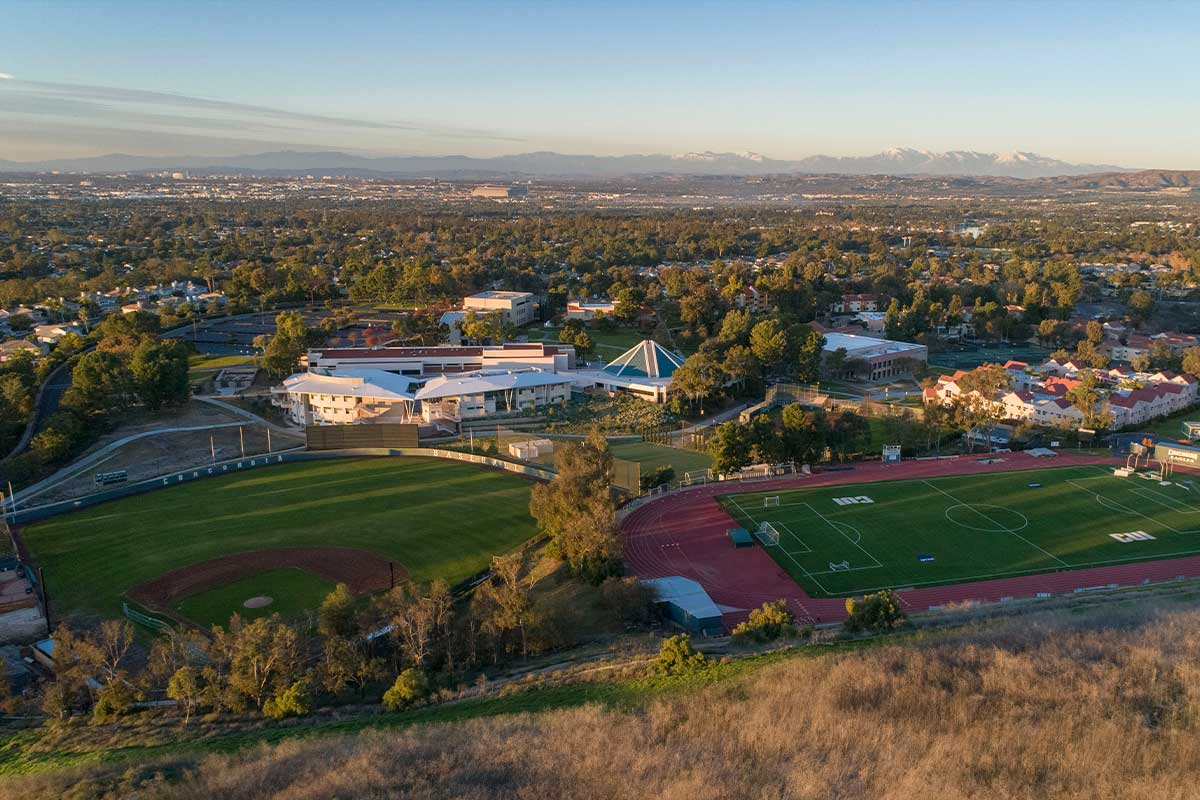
[685, 534]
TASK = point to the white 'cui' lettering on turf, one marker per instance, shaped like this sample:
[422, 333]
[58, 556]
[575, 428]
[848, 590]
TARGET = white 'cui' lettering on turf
[849, 501]
[1131, 536]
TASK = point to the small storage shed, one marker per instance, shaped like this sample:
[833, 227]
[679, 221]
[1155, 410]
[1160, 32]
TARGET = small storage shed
[687, 605]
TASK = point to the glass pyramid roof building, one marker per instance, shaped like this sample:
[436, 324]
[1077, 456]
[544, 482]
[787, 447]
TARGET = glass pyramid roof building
[646, 359]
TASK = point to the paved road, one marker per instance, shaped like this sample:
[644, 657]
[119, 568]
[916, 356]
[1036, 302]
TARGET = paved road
[248, 415]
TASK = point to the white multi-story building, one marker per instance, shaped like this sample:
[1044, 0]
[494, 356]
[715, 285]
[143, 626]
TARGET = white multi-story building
[348, 397]
[1131, 399]
[484, 394]
[517, 308]
[854, 303]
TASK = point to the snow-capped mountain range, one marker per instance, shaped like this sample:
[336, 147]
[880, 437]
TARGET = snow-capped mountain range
[894, 161]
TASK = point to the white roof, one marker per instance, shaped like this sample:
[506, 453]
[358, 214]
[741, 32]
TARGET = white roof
[685, 593]
[374, 383]
[866, 345]
[481, 382]
[499, 295]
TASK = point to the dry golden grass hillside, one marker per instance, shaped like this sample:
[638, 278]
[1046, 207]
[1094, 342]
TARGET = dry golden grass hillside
[1060, 707]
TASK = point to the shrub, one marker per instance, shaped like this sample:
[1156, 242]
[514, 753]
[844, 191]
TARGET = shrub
[293, 701]
[113, 700]
[767, 624]
[410, 686]
[678, 657]
[628, 598]
[874, 612]
[660, 476]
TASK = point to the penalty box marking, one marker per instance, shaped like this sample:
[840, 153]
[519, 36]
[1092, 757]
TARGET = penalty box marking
[783, 527]
[1165, 500]
[1105, 501]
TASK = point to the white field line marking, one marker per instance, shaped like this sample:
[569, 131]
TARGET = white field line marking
[869, 555]
[997, 524]
[1163, 499]
[780, 548]
[1101, 499]
[1023, 572]
[744, 512]
[791, 533]
[849, 569]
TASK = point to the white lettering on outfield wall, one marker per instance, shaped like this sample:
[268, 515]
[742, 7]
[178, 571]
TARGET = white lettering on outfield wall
[1131, 536]
[849, 501]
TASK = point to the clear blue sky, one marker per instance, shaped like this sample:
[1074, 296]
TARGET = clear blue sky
[1094, 82]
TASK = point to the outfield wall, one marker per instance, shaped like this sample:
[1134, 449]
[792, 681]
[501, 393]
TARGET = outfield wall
[26, 515]
[351, 437]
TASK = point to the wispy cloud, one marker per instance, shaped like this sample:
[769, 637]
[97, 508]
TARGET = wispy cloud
[7, 76]
[159, 121]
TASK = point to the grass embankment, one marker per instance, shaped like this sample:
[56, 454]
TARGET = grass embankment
[626, 690]
[438, 519]
[1099, 704]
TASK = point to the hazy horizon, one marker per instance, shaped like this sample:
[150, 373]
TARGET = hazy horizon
[1090, 83]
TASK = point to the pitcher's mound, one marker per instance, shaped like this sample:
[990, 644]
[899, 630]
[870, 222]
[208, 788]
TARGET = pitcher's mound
[258, 602]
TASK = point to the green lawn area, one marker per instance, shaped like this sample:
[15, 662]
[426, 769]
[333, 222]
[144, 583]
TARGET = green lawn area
[439, 519]
[651, 456]
[1171, 427]
[198, 362]
[293, 591]
[850, 539]
[648, 455]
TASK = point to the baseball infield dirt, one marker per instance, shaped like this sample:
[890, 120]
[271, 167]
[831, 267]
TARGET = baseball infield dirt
[362, 571]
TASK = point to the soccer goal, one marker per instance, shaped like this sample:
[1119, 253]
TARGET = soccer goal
[842, 565]
[767, 534]
[770, 502]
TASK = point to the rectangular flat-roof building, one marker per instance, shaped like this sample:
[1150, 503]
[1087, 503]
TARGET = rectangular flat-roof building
[427, 361]
[868, 358]
[589, 311]
[685, 603]
[517, 308]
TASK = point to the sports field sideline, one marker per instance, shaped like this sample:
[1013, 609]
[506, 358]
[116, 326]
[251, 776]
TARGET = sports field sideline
[853, 538]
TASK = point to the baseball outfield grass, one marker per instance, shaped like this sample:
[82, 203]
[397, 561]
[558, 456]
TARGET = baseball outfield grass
[438, 519]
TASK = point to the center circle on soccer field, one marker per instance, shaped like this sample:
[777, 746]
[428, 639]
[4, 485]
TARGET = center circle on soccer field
[986, 518]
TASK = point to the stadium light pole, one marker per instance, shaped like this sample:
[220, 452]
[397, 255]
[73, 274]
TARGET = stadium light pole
[212, 446]
[242, 438]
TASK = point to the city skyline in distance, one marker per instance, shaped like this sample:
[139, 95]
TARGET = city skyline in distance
[790, 81]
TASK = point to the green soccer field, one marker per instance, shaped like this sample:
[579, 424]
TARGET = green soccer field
[855, 538]
[439, 519]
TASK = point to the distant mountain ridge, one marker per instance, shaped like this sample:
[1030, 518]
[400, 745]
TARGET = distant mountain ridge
[894, 161]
